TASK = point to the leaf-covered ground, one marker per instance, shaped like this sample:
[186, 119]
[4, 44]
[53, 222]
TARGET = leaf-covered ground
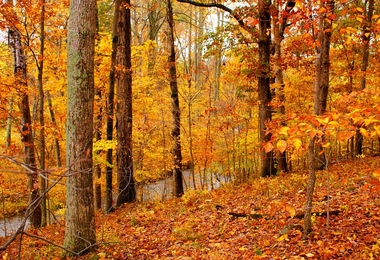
[267, 222]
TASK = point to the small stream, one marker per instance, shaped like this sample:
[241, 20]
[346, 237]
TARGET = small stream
[156, 191]
[9, 225]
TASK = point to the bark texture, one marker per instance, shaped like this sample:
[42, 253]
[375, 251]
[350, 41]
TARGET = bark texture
[125, 179]
[110, 109]
[265, 96]
[176, 113]
[20, 72]
[80, 217]
[317, 158]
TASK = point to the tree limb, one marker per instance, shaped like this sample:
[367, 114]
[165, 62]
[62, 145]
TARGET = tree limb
[238, 18]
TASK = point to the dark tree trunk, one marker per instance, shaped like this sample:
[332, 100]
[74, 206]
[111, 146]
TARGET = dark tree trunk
[265, 111]
[41, 117]
[80, 216]
[26, 125]
[366, 37]
[126, 182]
[176, 113]
[56, 141]
[110, 110]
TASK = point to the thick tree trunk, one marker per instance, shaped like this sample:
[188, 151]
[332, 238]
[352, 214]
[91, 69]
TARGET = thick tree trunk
[322, 69]
[176, 113]
[80, 215]
[265, 111]
[126, 182]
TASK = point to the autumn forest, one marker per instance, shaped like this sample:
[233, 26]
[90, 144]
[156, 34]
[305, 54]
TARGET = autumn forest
[258, 120]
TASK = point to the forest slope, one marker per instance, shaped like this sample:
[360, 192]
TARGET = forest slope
[257, 220]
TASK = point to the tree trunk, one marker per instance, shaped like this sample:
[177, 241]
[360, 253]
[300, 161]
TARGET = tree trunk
[265, 97]
[97, 168]
[80, 215]
[41, 116]
[126, 182]
[8, 135]
[56, 141]
[176, 113]
[26, 125]
[110, 109]
[322, 68]
[366, 37]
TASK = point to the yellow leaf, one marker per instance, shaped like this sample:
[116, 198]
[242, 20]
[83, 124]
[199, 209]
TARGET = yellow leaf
[281, 145]
[359, 19]
[376, 174]
[291, 211]
[297, 143]
[284, 130]
[309, 255]
[364, 132]
[283, 237]
[359, 9]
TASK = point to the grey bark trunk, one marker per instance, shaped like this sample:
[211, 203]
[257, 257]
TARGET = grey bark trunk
[80, 215]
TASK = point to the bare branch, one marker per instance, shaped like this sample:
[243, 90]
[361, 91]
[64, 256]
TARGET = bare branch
[238, 18]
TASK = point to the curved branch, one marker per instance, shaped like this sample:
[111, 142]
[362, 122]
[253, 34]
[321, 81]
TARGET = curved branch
[238, 18]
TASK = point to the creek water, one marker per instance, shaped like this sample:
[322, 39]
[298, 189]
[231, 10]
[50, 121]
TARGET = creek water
[156, 191]
[9, 225]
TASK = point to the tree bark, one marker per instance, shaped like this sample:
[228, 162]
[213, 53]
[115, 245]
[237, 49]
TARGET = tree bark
[80, 216]
[322, 68]
[366, 37]
[20, 72]
[57, 147]
[176, 113]
[110, 109]
[126, 182]
[41, 116]
[265, 97]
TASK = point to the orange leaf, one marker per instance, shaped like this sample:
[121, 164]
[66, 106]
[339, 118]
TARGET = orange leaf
[268, 147]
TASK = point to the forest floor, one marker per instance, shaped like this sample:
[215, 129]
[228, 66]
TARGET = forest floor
[261, 219]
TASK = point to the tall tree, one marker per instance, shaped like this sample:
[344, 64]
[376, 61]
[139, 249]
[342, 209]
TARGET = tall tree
[321, 84]
[176, 112]
[80, 217]
[26, 122]
[110, 108]
[279, 24]
[41, 118]
[125, 178]
[366, 37]
[265, 96]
